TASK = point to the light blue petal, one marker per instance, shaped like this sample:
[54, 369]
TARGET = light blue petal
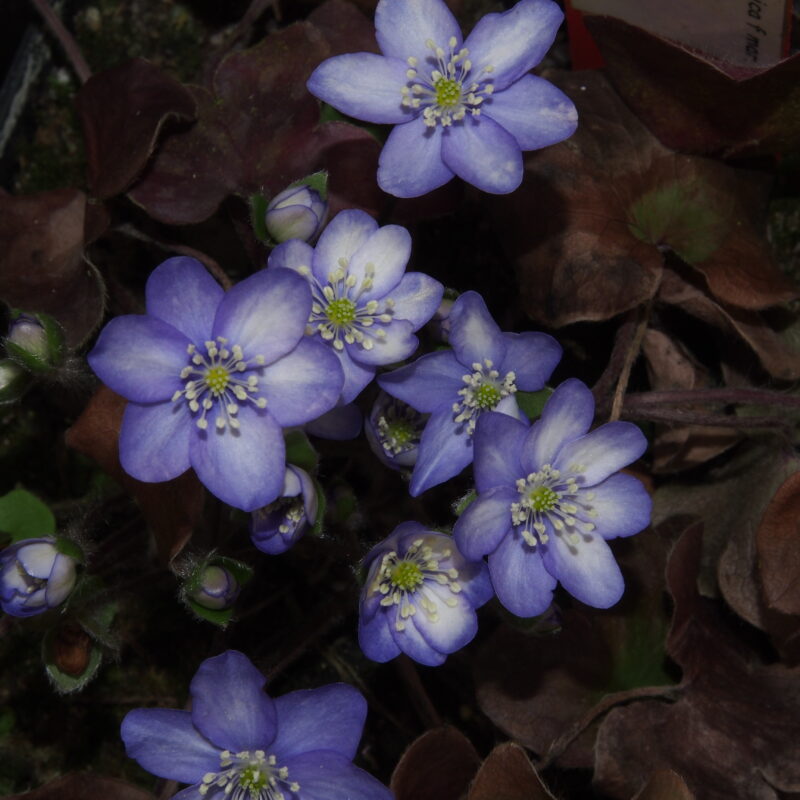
[567, 415]
[412, 642]
[325, 775]
[292, 222]
[154, 440]
[410, 163]
[244, 468]
[229, 706]
[602, 452]
[497, 441]
[519, 577]
[385, 254]
[484, 154]
[61, 580]
[375, 638]
[363, 85]
[356, 376]
[532, 357]
[515, 41]
[165, 742]
[329, 718]
[536, 113]
[345, 233]
[403, 28]
[140, 357]
[416, 298]
[453, 627]
[444, 450]
[181, 292]
[293, 254]
[621, 504]
[266, 314]
[474, 335]
[396, 344]
[302, 385]
[481, 528]
[427, 384]
[476, 584]
[587, 570]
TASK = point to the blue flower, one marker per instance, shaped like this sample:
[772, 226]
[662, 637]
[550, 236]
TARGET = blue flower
[34, 577]
[276, 527]
[549, 496]
[239, 744]
[213, 377]
[366, 307]
[481, 373]
[393, 430]
[465, 108]
[420, 597]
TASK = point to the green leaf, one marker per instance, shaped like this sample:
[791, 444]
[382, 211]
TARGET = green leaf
[300, 452]
[24, 516]
[218, 616]
[97, 621]
[322, 507]
[532, 403]
[460, 506]
[241, 571]
[318, 181]
[329, 114]
[258, 212]
[681, 216]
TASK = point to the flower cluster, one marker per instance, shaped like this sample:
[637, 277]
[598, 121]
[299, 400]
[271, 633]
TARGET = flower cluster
[460, 107]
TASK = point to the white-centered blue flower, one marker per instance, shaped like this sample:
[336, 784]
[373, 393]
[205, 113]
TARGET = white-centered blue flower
[365, 306]
[213, 377]
[461, 107]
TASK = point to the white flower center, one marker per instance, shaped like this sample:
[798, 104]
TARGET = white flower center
[447, 89]
[483, 391]
[248, 776]
[402, 581]
[213, 380]
[548, 495]
[399, 428]
[338, 312]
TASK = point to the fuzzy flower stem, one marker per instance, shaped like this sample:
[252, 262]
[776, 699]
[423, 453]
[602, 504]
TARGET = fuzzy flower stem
[65, 39]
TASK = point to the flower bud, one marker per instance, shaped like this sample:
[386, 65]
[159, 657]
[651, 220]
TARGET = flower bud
[298, 212]
[34, 576]
[276, 527]
[14, 381]
[35, 341]
[217, 588]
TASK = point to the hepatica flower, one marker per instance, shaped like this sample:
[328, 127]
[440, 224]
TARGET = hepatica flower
[393, 430]
[420, 597]
[460, 107]
[549, 496]
[481, 373]
[213, 377]
[239, 744]
[365, 306]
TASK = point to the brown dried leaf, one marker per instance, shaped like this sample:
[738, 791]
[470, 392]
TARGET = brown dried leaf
[436, 766]
[665, 785]
[43, 236]
[85, 786]
[587, 228]
[172, 509]
[691, 103]
[123, 110]
[778, 545]
[733, 731]
[507, 774]
[680, 447]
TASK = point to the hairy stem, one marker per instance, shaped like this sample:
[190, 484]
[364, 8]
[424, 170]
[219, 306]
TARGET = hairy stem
[65, 38]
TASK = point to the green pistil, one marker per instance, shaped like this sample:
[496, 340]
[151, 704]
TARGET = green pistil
[487, 396]
[543, 499]
[341, 311]
[253, 778]
[406, 575]
[448, 92]
[217, 379]
[400, 433]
